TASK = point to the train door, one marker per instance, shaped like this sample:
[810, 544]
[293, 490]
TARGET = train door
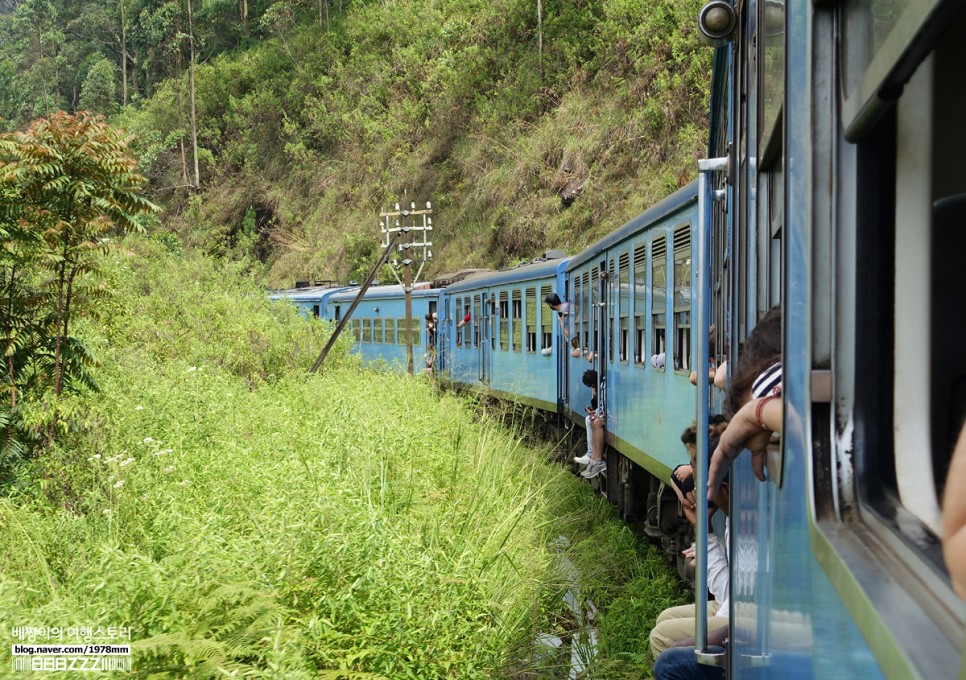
[484, 334]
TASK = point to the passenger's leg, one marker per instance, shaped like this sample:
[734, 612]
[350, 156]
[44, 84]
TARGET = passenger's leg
[589, 424]
[673, 624]
[680, 663]
[598, 438]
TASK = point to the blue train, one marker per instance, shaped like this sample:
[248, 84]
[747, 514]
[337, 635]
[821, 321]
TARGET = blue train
[834, 187]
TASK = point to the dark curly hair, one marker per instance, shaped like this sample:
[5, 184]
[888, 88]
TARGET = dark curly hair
[762, 349]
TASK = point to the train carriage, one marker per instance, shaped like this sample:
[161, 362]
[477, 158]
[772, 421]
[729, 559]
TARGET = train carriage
[510, 346]
[840, 128]
[312, 301]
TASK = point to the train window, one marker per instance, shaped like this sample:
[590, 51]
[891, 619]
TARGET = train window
[367, 330]
[477, 321]
[546, 316]
[504, 321]
[682, 298]
[531, 319]
[377, 330]
[338, 312]
[611, 308]
[517, 330]
[401, 331]
[624, 304]
[588, 310]
[884, 40]
[415, 331]
[659, 296]
[772, 64]
[390, 331]
[356, 330]
[640, 308]
[315, 311]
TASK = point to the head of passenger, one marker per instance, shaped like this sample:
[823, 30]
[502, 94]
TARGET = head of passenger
[590, 379]
[553, 300]
[762, 349]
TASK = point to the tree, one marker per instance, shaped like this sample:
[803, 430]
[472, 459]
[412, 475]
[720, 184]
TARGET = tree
[70, 179]
[99, 90]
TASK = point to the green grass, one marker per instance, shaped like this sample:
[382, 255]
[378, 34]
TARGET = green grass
[243, 516]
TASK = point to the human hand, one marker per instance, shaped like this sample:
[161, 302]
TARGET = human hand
[683, 472]
[743, 432]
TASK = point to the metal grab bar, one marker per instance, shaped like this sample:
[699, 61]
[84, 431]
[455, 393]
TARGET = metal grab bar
[700, 343]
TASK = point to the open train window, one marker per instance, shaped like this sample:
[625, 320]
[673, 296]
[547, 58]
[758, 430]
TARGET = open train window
[517, 303]
[531, 301]
[659, 298]
[682, 298]
[504, 321]
[477, 321]
[390, 331]
[640, 304]
[315, 311]
[546, 317]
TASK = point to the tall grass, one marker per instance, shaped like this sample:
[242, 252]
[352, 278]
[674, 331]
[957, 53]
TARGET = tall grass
[244, 517]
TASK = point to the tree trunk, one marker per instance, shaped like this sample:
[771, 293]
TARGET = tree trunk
[243, 14]
[540, 39]
[120, 4]
[191, 95]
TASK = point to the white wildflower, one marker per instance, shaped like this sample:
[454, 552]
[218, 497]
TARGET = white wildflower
[118, 484]
[91, 459]
[147, 440]
[192, 369]
[163, 452]
[169, 469]
[184, 482]
[97, 456]
[106, 511]
[125, 463]
[138, 408]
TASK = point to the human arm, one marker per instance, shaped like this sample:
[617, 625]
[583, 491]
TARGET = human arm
[746, 432]
[954, 517]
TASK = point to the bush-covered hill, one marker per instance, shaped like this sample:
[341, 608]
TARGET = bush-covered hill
[529, 125]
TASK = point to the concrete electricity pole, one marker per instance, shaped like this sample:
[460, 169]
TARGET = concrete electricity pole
[414, 226]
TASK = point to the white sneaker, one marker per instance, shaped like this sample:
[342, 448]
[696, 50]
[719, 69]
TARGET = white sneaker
[594, 469]
[584, 459]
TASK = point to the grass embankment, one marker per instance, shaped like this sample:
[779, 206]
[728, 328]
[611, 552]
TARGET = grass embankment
[240, 515]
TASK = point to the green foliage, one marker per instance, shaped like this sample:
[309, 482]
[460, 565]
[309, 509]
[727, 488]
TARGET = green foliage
[99, 91]
[66, 183]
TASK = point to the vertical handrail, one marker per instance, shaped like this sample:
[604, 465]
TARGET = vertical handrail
[355, 303]
[699, 330]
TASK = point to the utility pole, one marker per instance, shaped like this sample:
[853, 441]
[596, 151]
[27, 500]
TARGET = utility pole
[414, 227]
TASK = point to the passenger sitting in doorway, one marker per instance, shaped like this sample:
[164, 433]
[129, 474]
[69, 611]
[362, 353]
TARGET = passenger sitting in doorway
[466, 319]
[676, 624]
[562, 309]
[431, 329]
[594, 422]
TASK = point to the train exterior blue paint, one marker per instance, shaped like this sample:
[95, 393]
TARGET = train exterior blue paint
[511, 343]
[640, 310]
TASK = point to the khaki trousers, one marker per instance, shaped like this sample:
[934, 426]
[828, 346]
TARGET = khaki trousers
[677, 623]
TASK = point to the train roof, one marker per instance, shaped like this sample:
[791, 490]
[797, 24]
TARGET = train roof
[672, 203]
[538, 269]
[307, 292]
[385, 292]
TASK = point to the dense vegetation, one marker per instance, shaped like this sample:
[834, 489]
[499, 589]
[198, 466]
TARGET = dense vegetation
[528, 124]
[244, 516]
